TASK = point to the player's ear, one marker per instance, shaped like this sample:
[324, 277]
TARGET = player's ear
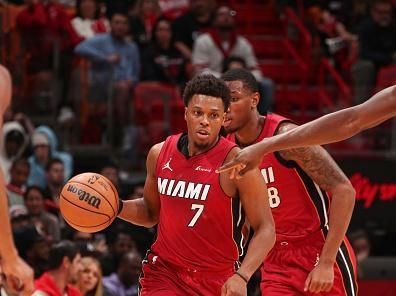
[185, 113]
[255, 99]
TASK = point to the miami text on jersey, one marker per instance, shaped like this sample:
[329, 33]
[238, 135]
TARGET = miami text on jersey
[183, 189]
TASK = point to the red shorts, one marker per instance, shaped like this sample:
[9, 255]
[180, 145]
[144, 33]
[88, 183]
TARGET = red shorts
[288, 264]
[160, 278]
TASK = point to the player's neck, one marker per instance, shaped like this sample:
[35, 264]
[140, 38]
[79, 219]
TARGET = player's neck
[249, 133]
[194, 150]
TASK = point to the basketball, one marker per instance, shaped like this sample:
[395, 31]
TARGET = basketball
[89, 202]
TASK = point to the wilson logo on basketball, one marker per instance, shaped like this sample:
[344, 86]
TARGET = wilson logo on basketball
[85, 196]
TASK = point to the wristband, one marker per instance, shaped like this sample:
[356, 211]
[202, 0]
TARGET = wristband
[120, 206]
[241, 276]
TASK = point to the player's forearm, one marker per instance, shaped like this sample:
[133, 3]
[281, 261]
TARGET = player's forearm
[341, 208]
[337, 126]
[261, 243]
[137, 212]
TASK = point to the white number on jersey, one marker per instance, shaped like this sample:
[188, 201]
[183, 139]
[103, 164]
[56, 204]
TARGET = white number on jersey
[274, 199]
[200, 209]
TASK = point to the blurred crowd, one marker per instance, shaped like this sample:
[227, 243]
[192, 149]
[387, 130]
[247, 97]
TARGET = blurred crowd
[75, 53]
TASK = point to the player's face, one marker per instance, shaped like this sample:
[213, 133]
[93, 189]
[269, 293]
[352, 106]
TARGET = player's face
[243, 105]
[204, 116]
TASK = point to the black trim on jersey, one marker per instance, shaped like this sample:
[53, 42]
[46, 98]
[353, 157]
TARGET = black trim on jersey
[344, 266]
[314, 195]
[237, 229]
[278, 156]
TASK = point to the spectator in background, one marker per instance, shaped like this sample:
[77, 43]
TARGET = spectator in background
[12, 146]
[114, 60]
[337, 42]
[45, 145]
[64, 263]
[55, 175]
[112, 172]
[125, 281]
[88, 22]
[120, 242]
[114, 6]
[47, 33]
[19, 217]
[19, 174]
[190, 25]
[46, 222]
[142, 19]
[361, 245]
[212, 48]
[89, 280]
[33, 248]
[162, 61]
[377, 38]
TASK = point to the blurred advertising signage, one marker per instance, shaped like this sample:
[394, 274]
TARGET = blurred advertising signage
[368, 191]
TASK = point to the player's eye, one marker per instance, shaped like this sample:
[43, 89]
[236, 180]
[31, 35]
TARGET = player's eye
[214, 115]
[234, 99]
[197, 113]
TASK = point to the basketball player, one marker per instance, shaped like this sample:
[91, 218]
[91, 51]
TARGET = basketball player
[330, 128]
[198, 212]
[311, 200]
[18, 273]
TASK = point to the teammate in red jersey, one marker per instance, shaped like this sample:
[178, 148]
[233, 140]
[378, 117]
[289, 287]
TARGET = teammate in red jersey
[13, 267]
[311, 200]
[200, 213]
[329, 128]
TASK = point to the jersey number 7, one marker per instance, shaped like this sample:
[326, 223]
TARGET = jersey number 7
[199, 209]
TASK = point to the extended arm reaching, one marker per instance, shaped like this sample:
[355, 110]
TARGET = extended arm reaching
[330, 128]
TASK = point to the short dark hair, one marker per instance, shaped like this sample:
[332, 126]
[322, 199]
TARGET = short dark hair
[20, 161]
[33, 187]
[52, 162]
[227, 62]
[247, 78]
[59, 251]
[207, 85]
[118, 12]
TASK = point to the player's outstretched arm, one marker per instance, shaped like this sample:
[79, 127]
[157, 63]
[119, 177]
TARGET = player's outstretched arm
[253, 194]
[145, 211]
[330, 128]
[12, 265]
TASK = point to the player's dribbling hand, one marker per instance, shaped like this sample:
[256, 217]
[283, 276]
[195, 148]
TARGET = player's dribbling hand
[320, 279]
[246, 159]
[234, 286]
[19, 276]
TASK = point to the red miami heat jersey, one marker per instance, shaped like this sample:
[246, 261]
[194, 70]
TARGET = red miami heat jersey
[197, 228]
[298, 205]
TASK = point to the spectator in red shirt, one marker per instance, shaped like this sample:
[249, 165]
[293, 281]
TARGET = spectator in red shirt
[64, 264]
